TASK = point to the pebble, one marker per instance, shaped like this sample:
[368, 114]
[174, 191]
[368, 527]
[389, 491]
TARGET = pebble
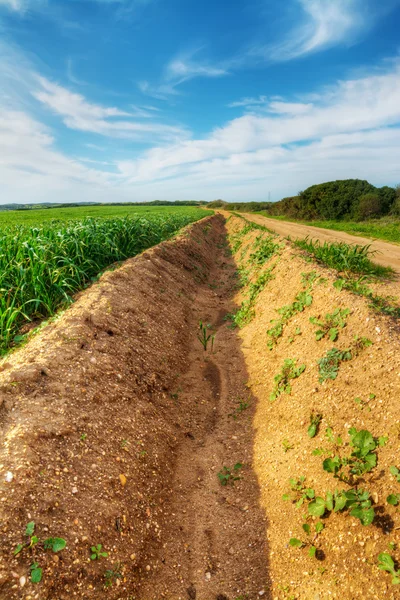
[208, 576]
[9, 477]
[148, 567]
[74, 490]
[22, 581]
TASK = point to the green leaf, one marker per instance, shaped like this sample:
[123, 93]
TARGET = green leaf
[312, 551]
[30, 528]
[312, 430]
[363, 441]
[393, 499]
[382, 440]
[333, 334]
[396, 580]
[329, 501]
[286, 497]
[317, 507]
[319, 527]
[18, 549]
[319, 335]
[36, 573]
[366, 516]
[295, 543]
[55, 544]
[306, 528]
[332, 465]
[340, 502]
[386, 562]
[394, 471]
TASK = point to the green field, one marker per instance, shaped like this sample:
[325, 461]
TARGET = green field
[386, 228]
[44, 261]
[13, 217]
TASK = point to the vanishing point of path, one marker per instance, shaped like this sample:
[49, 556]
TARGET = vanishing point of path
[387, 254]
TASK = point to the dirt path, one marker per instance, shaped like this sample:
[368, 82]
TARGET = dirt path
[214, 546]
[387, 254]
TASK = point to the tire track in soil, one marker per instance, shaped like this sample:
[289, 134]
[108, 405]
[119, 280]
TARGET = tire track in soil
[214, 541]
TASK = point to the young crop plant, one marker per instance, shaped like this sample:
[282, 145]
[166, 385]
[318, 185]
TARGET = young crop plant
[242, 406]
[382, 304]
[386, 563]
[394, 499]
[312, 550]
[246, 311]
[329, 364]
[331, 324]
[299, 492]
[283, 379]
[205, 337]
[315, 420]
[230, 475]
[287, 445]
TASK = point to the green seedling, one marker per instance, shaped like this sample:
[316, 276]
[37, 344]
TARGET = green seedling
[297, 543]
[96, 552]
[386, 563]
[329, 364]
[124, 444]
[356, 501]
[362, 404]
[239, 409]
[359, 344]
[282, 380]
[83, 437]
[286, 445]
[315, 420]
[395, 472]
[392, 546]
[330, 324]
[230, 475]
[36, 573]
[302, 300]
[362, 460]
[299, 492]
[54, 544]
[112, 575]
[393, 499]
[204, 337]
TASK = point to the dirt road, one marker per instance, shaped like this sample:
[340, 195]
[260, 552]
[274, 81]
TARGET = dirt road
[387, 254]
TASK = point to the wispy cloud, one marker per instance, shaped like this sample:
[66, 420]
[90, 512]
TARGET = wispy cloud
[321, 24]
[179, 70]
[81, 115]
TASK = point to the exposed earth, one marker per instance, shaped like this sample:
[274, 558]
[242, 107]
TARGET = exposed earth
[119, 428]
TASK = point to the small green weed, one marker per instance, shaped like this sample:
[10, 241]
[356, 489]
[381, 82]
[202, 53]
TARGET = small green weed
[204, 337]
[330, 324]
[329, 364]
[230, 475]
[315, 420]
[97, 553]
[283, 379]
[36, 573]
[112, 575]
[362, 460]
[299, 492]
[343, 257]
[287, 445]
[242, 406]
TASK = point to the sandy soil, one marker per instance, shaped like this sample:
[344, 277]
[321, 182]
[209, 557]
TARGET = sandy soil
[387, 254]
[346, 565]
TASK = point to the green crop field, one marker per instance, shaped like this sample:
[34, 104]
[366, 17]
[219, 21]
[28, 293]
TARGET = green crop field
[44, 261]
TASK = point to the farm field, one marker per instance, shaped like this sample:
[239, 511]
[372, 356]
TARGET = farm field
[37, 216]
[44, 261]
[215, 419]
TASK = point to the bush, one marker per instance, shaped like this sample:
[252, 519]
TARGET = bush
[370, 206]
[395, 210]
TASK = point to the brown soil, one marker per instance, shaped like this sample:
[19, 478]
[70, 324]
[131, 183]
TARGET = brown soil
[114, 425]
[387, 254]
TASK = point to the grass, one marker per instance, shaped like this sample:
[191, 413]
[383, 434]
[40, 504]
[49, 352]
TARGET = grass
[387, 228]
[42, 266]
[343, 257]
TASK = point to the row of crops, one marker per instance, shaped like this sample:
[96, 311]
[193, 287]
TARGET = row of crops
[42, 266]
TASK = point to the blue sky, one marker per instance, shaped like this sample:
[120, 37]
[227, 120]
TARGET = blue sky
[132, 100]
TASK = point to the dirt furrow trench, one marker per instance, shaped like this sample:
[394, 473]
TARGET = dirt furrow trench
[214, 546]
[114, 425]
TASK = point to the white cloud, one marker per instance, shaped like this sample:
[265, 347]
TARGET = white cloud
[252, 145]
[324, 24]
[81, 115]
[249, 102]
